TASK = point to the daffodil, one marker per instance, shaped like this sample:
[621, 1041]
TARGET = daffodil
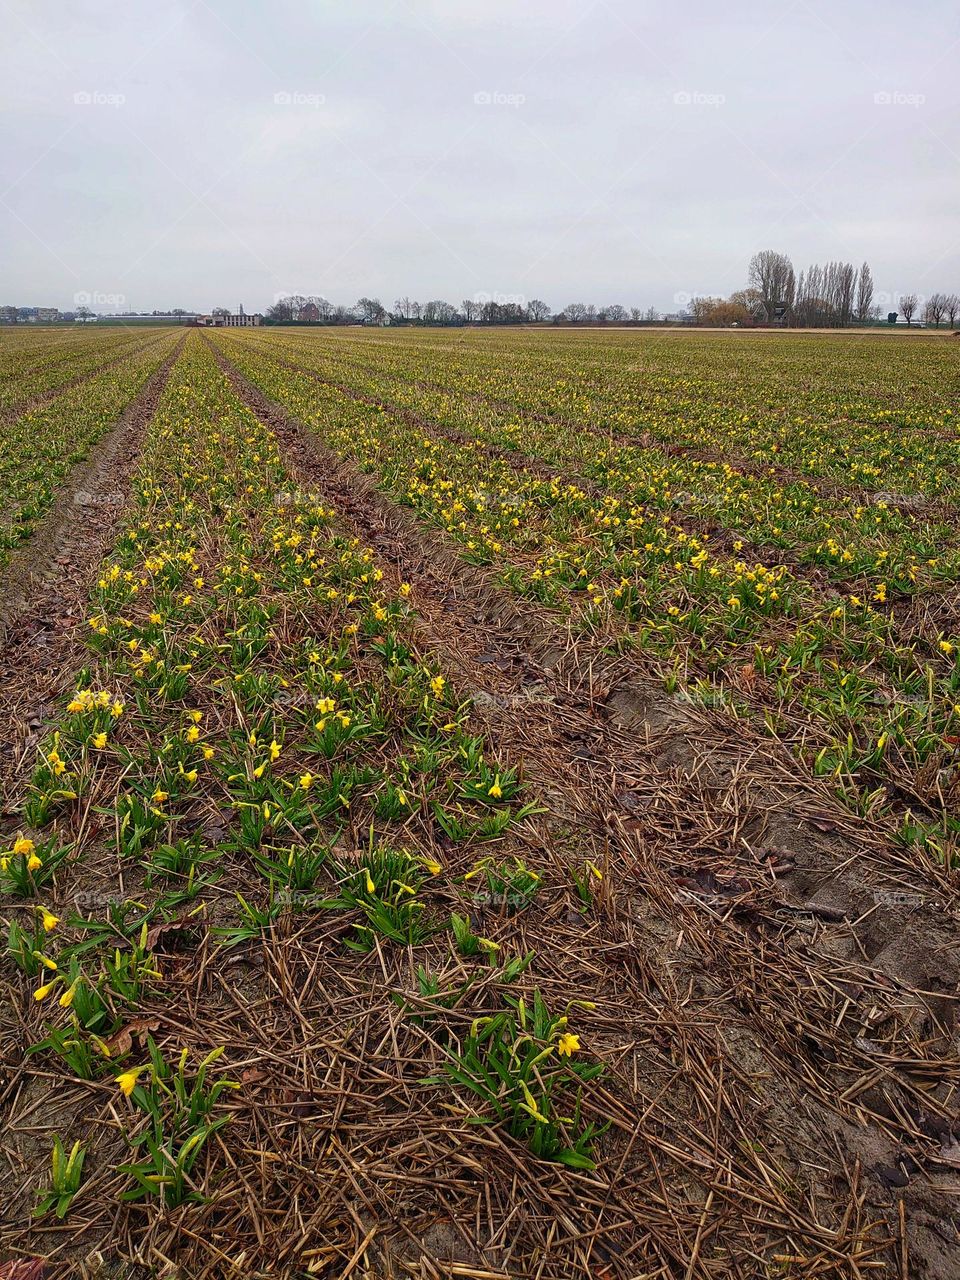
[568, 1044]
[48, 920]
[66, 1000]
[127, 1080]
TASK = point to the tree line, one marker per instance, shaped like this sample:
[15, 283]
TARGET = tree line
[312, 309]
[827, 295]
[831, 295]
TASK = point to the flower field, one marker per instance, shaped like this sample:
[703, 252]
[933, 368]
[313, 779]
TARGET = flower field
[55, 407]
[799, 576]
[489, 807]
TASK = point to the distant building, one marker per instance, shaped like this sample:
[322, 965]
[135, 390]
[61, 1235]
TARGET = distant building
[240, 320]
[30, 315]
[309, 313]
[776, 314]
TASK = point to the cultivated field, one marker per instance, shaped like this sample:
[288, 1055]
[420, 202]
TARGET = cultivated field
[480, 804]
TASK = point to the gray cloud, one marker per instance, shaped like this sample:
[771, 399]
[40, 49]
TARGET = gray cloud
[205, 152]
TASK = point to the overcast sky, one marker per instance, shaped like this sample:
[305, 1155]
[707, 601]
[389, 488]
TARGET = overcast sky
[211, 152]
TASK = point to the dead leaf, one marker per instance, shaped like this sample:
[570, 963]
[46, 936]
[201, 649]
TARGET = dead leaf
[177, 930]
[137, 1029]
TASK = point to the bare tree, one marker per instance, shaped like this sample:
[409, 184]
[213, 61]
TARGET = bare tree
[537, 310]
[403, 308]
[936, 305]
[951, 304]
[771, 274]
[846, 276]
[908, 306]
[438, 312]
[576, 312]
[281, 311]
[748, 298]
[470, 310]
[864, 294]
[700, 309]
[371, 310]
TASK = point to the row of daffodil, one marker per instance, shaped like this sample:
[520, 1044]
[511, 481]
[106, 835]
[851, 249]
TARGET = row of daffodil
[43, 443]
[866, 534]
[805, 401]
[852, 681]
[252, 677]
[35, 362]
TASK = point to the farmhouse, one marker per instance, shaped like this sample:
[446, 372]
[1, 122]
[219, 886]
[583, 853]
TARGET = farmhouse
[774, 314]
